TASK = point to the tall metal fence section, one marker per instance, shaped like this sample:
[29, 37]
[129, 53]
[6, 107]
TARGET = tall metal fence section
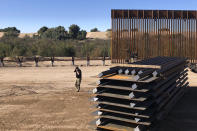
[151, 33]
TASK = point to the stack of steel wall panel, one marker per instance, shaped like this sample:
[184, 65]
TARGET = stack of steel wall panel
[135, 98]
[193, 67]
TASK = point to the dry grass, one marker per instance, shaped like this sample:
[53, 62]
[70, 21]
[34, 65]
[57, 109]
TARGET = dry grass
[98, 35]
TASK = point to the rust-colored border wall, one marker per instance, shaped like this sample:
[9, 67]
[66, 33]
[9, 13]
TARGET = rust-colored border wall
[150, 33]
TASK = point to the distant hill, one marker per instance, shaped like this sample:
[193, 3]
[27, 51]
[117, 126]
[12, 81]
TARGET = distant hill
[1, 34]
[90, 35]
[21, 35]
[98, 35]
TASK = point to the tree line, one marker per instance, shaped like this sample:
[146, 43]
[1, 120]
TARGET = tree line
[51, 42]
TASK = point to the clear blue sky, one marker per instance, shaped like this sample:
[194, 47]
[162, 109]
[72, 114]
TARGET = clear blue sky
[30, 15]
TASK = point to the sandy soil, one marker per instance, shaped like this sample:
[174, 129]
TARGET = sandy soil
[45, 98]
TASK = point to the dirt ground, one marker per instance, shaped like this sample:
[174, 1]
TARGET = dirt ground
[44, 98]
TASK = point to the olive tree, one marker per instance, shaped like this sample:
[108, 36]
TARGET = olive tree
[2, 54]
[74, 31]
[10, 32]
[94, 30]
[19, 51]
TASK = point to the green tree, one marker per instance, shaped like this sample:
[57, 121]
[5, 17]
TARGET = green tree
[82, 35]
[108, 30]
[10, 32]
[87, 49]
[94, 30]
[61, 33]
[74, 31]
[4, 51]
[8, 29]
[19, 51]
[42, 30]
[105, 50]
[46, 49]
[58, 33]
[65, 49]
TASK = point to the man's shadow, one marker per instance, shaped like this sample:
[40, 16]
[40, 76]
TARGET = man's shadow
[183, 116]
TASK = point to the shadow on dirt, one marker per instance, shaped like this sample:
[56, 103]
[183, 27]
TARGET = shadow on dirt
[183, 116]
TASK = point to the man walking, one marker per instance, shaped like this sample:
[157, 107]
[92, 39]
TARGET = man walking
[78, 78]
